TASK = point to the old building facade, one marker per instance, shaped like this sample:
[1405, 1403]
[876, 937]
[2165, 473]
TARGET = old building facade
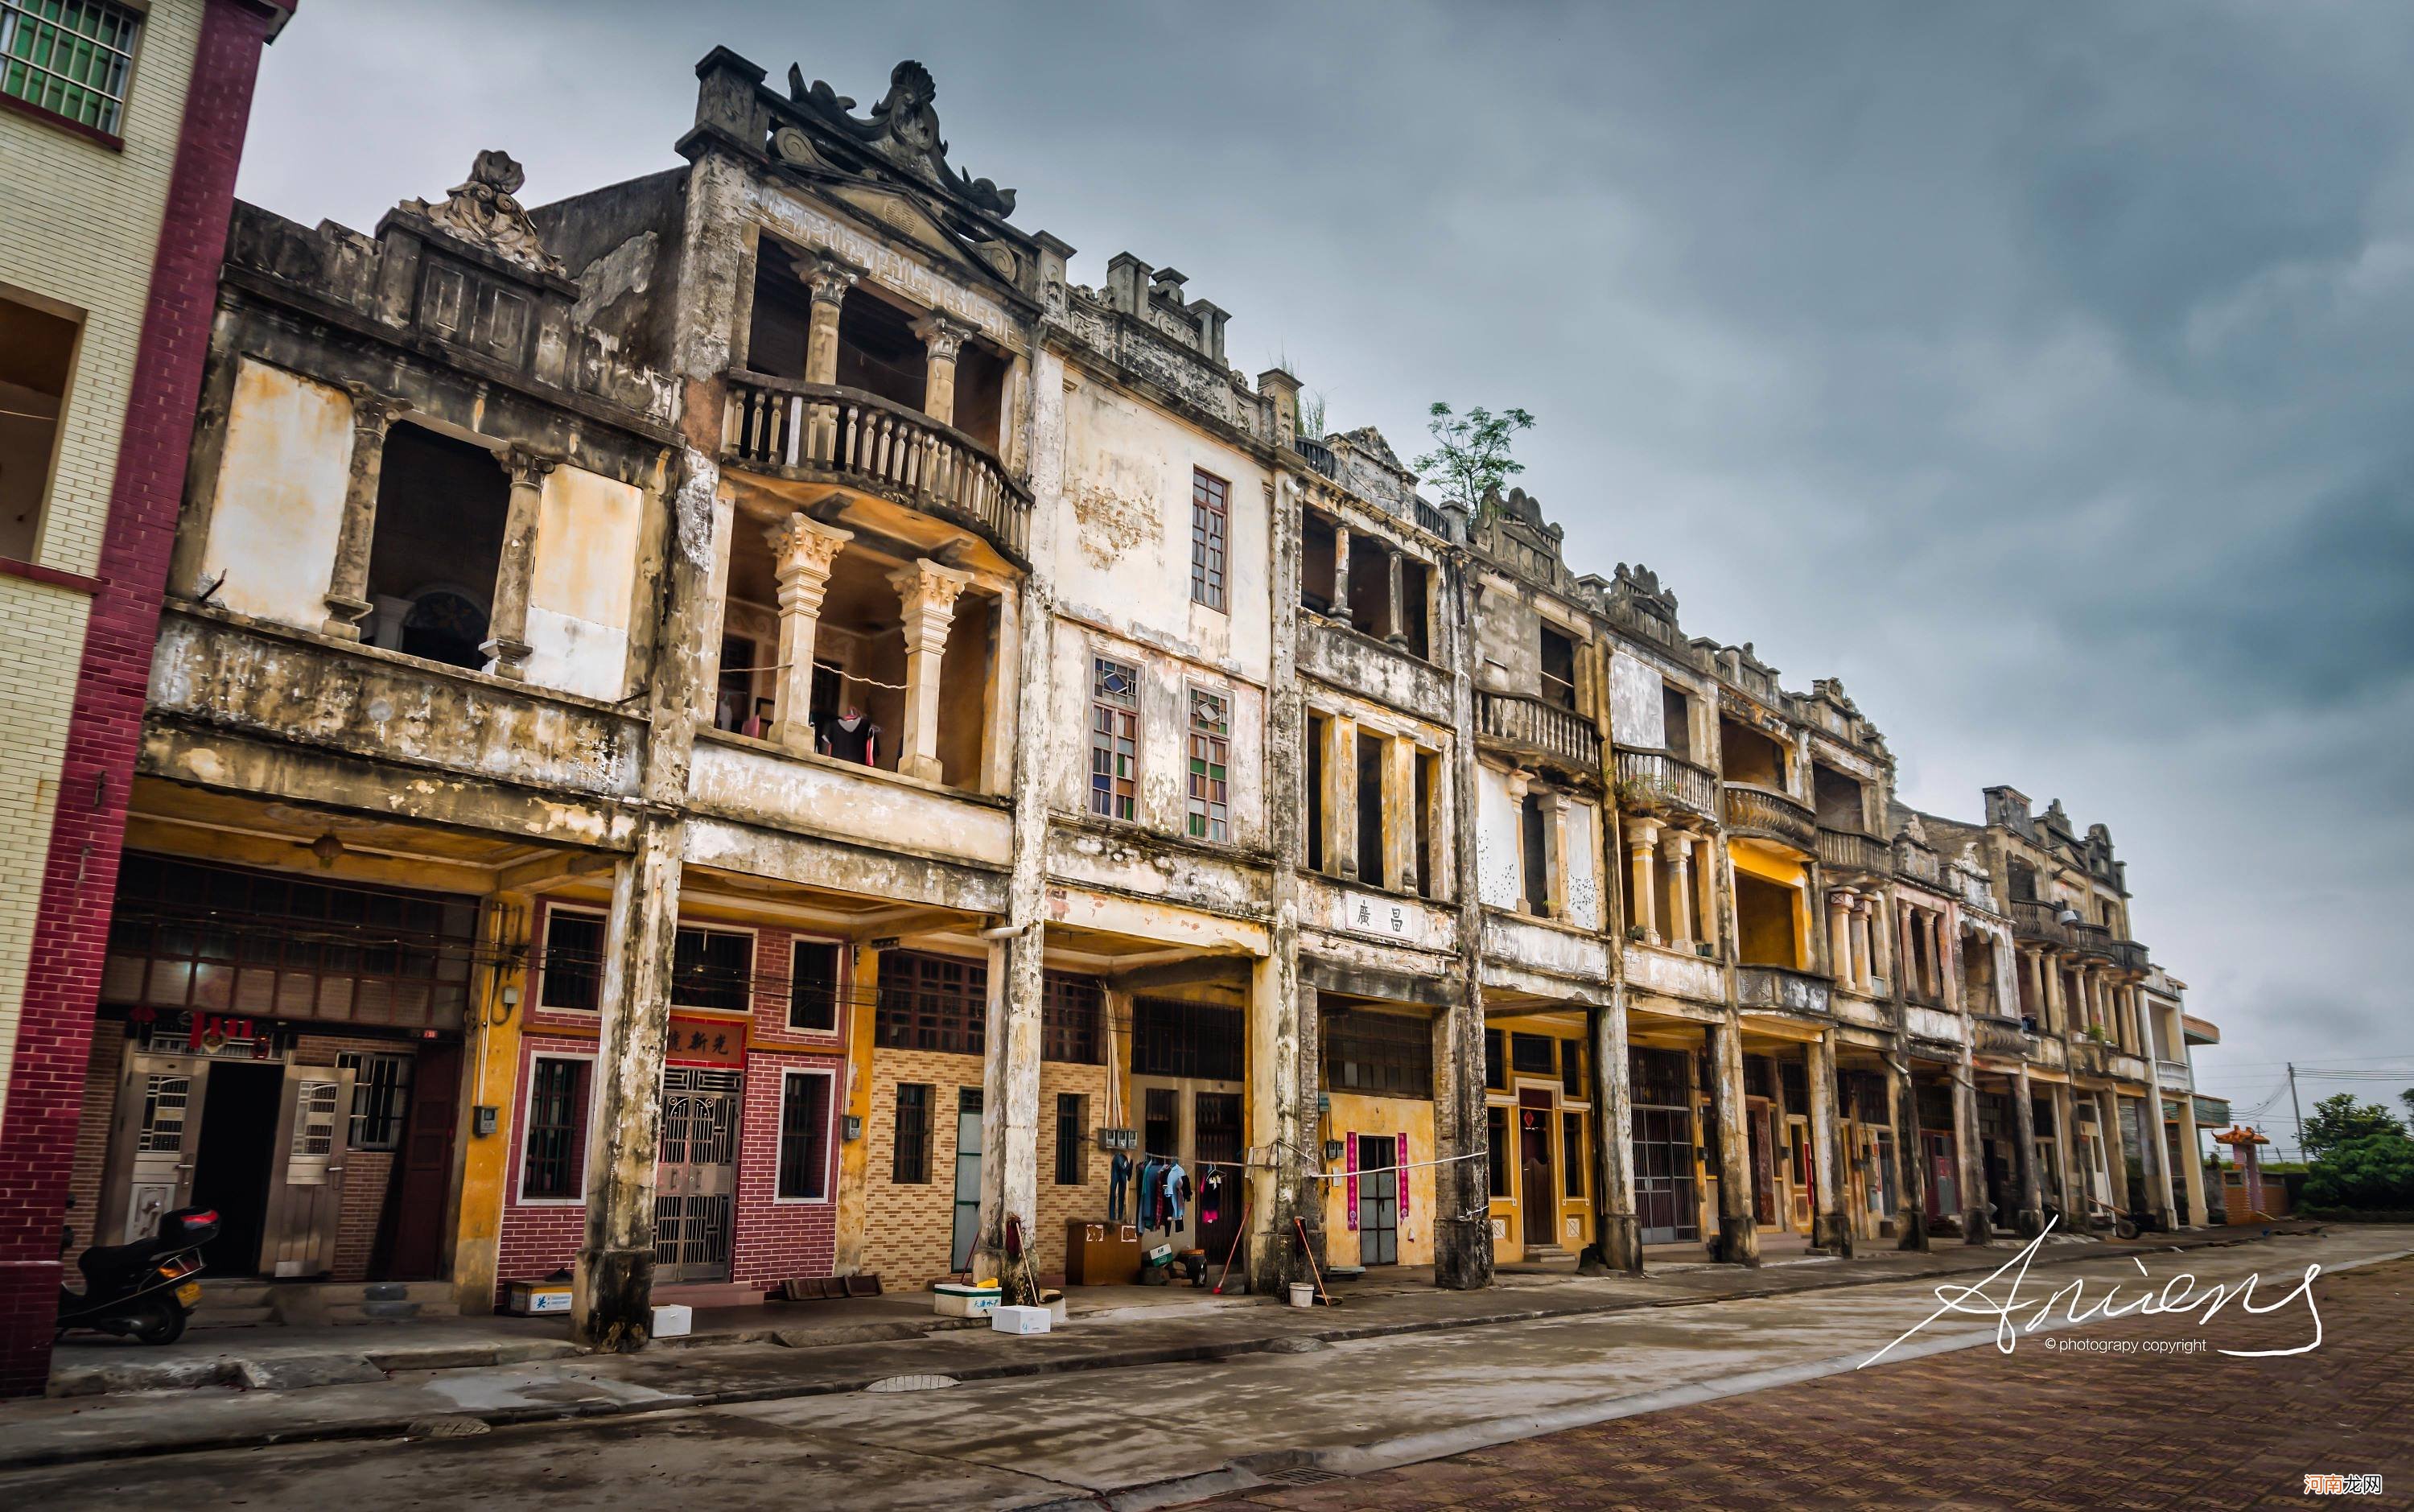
[743, 727]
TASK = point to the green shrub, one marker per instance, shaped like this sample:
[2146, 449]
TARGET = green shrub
[2375, 1171]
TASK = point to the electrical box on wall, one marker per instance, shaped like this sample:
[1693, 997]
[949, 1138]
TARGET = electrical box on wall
[1118, 1139]
[483, 1120]
[850, 1127]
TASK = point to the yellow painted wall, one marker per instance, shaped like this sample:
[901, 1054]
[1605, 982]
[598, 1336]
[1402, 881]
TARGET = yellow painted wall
[79, 231]
[1353, 1114]
[280, 496]
[1507, 1212]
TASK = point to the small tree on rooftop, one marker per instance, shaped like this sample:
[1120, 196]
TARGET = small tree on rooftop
[1470, 457]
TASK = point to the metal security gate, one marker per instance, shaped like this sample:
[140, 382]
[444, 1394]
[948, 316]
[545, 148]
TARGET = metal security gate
[1664, 1175]
[696, 1174]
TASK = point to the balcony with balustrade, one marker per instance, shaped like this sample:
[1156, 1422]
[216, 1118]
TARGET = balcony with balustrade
[1652, 783]
[1771, 814]
[1536, 729]
[1849, 853]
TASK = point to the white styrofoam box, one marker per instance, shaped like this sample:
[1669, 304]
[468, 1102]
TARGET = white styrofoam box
[966, 1301]
[1021, 1319]
[673, 1320]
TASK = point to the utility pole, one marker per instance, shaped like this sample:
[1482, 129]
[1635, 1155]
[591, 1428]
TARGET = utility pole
[2295, 1109]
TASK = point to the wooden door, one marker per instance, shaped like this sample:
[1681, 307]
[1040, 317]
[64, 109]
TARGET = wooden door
[1804, 1186]
[306, 1186]
[1538, 1195]
[420, 1216]
[153, 1144]
[1763, 1164]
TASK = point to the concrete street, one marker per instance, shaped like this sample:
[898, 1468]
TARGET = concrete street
[1241, 1426]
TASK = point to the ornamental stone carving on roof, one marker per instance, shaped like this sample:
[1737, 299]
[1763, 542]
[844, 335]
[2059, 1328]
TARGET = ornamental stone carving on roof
[484, 211]
[904, 129]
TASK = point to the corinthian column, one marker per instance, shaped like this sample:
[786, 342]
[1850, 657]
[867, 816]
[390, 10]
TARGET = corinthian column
[928, 591]
[942, 341]
[506, 644]
[802, 550]
[348, 584]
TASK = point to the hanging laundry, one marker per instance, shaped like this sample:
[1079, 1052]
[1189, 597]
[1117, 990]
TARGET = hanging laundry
[1210, 1195]
[1177, 1192]
[1119, 1174]
[1145, 1195]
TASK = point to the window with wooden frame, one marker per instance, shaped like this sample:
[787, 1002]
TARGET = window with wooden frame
[1072, 1139]
[932, 1002]
[1571, 1154]
[1496, 1139]
[1211, 761]
[1208, 521]
[1381, 1055]
[1114, 739]
[713, 969]
[1069, 1009]
[570, 974]
[909, 1158]
[380, 1098]
[70, 57]
[812, 986]
[804, 1136]
[553, 1154]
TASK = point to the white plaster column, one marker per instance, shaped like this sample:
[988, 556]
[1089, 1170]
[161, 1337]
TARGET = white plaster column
[1642, 843]
[1860, 930]
[1839, 935]
[506, 644]
[347, 583]
[827, 281]
[1680, 887]
[802, 550]
[1881, 962]
[1555, 853]
[928, 592]
[1340, 572]
[942, 342]
[1705, 887]
[1830, 1229]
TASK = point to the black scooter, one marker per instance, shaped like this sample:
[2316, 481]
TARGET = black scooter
[142, 1291]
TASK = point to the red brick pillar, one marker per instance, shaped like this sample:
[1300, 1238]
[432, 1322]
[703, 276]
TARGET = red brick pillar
[46, 1074]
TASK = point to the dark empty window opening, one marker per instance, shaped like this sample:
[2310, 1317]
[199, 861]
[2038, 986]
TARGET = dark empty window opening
[1072, 1139]
[1495, 1060]
[37, 352]
[713, 969]
[1532, 1054]
[1174, 1036]
[1370, 586]
[879, 352]
[1496, 1139]
[1370, 812]
[570, 968]
[1415, 601]
[1558, 667]
[1676, 721]
[804, 1136]
[437, 542]
[1427, 767]
[1317, 860]
[1747, 756]
[1316, 562]
[2022, 881]
[812, 987]
[1839, 800]
[1536, 845]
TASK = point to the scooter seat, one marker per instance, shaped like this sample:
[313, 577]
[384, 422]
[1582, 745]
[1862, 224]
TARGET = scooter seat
[108, 1263]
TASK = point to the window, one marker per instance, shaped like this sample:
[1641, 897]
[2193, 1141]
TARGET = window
[571, 971]
[1534, 841]
[40, 349]
[1559, 661]
[1424, 798]
[1072, 1136]
[70, 57]
[1171, 1037]
[1069, 1008]
[1159, 1133]
[1385, 1055]
[1495, 1063]
[435, 548]
[1314, 797]
[1675, 722]
[1496, 1139]
[932, 1002]
[551, 1166]
[812, 986]
[1210, 760]
[1371, 767]
[1571, 1067]
[1207, 521]
[1530, 1055]
[713, 969]
[1571, 1154]
[380, 1098]
[909, 1158]
[804, 1136]
[1114, 739]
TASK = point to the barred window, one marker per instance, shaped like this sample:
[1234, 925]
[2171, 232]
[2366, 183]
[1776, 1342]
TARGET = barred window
[1571, 1068]
[1496, 1065]
[909, 1160]
[1530, 1055]
[1207, 529]
[70, 57]
[1496, 1139]
[380, 1098]
[932, 1002]
[1068, 1018]
[1174, 1038]
[1114, 739]
[1072, 1136]
[556, 1148]
[571, 971]
[804, 1136]
[812, 986]
[1386, 1054]
[1211, 759]
[1571, 1154]
[713, 969]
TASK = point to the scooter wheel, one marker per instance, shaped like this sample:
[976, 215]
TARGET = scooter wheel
[2125, 1229]
[160, 1322]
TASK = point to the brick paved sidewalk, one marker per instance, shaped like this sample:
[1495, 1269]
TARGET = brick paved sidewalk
[2037, 1430]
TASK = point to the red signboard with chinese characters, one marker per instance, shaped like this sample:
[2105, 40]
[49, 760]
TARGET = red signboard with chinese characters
[705, 1041]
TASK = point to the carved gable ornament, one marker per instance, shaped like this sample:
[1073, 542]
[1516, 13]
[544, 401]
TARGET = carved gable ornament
[484, 213]
[902, 127]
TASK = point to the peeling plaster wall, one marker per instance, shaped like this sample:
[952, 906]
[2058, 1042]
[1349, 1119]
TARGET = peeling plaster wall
[1637, 709]
[1162, 795]
[1508, 641]
[1353, 1114]
[1125, 516]
[583, 583]
[280, 496]
[742, 780]
[1496, 840]
[1583, 865]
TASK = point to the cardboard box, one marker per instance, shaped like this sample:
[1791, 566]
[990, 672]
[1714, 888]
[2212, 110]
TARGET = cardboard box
[673, 1320]
[956, 1300]
[526, 1299]
[1021, 1319]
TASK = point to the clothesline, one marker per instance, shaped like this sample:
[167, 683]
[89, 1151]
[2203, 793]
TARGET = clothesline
[1138, 1157]
[844, 677]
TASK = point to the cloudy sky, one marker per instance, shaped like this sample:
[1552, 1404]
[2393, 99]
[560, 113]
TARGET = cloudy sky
[2043, 372]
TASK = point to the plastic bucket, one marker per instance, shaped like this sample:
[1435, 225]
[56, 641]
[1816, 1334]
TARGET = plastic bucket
[1303, 1295]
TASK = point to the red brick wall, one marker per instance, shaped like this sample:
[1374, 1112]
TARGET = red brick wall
[38, 1138]
[537, 1238]
[773, 1240]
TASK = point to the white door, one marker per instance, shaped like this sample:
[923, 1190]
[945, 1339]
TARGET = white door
[152, 1146]
[306, 1190]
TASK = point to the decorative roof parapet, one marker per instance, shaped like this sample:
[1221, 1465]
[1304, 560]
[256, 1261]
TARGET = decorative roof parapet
[485, 212]
[904, 129]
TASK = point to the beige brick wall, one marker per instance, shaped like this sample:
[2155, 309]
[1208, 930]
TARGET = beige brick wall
[908, 1229]
[79, 230]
